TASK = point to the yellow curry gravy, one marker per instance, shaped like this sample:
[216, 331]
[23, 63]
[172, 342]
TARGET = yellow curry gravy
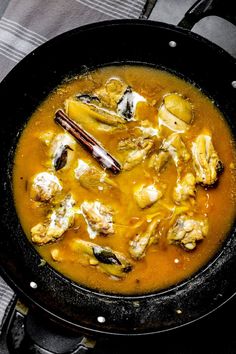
[163, 264]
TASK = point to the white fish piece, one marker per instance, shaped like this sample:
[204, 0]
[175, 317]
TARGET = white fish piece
[145, 196]
[116, 102]
[45, 187]
[62, 150]
[92, 178]
[98, 218]
[187, 231]
[57, 222]
[185, 189]
[149, 132]
[176, 148]
[142, 241]
[138, 150]
[206, 162]
[127, 104]
[113, 263]
[159, 160]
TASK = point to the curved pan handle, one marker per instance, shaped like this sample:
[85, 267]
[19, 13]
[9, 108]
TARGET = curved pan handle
[204, 8]
[28, 333]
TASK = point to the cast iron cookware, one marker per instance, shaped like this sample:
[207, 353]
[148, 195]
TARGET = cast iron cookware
[116, 42]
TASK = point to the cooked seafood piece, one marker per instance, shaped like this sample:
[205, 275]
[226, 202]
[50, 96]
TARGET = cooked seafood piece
[139, 148]
[119, 97]
[127, 104]
[158, 161]
[104, 258]
[206, 162]
[111, 93]
[137, 156]
[58, 221]
[145, 196]
[177, 149]
[175, 113]
[91, 178]
[148, 131]
[98, 217]
[91, 116]
[88, 99]
[185, 189]
[143, 240]
[188, 231]
[62, 150]
[45, 186]
[115, 102]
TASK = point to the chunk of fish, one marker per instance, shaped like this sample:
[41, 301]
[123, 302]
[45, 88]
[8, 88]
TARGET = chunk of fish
[91, 178]
[145, 196]
[185, 189]
[206, 162]
[111, 93]
[188, 231]
[45, 186]
[98, 217]
[61, 150]
[159, 160]
[112, 104]
[175, 113]
[92, 117]
[175, 146]
[139, 149]
[104, 258]
[58, 221]
[142, 241]
[120, 97]
[126, 106]
[147, 130]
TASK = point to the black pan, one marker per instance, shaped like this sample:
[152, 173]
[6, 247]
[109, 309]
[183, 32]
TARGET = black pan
[118, 42]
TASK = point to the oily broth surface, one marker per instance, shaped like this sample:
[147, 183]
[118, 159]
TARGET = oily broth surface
[163, 265]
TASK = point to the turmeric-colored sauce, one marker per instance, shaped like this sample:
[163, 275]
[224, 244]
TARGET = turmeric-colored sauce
[163, 263]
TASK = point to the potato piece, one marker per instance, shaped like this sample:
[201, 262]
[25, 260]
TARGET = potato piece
[179, 107]
[175, 113]
[167, 119]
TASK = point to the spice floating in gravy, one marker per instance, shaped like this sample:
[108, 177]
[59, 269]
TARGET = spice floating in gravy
[136, 174]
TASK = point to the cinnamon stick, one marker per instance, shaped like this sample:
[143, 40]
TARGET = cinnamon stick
[88, 142]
